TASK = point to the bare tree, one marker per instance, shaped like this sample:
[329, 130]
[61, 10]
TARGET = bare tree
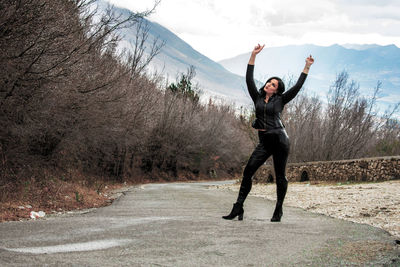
[303, 120]
[350, 120]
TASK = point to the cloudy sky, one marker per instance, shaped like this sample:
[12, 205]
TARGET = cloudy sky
[222, 29]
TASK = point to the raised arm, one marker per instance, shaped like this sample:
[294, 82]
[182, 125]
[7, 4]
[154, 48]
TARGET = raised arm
[294, 90]
[254, 53]
[251, 86]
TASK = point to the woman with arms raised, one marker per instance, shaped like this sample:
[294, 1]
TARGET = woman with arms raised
[273, 139]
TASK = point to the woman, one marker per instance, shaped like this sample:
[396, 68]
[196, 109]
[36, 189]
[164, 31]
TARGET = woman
[269, 102]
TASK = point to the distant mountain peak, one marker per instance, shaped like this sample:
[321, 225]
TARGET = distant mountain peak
[360, 46]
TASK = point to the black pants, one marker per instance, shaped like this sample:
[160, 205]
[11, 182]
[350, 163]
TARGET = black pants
[277, 145]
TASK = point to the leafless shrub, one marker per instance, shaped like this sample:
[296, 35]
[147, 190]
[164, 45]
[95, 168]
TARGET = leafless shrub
[70, 100]
[348, 126]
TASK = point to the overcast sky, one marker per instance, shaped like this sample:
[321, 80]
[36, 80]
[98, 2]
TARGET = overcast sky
[222, 29]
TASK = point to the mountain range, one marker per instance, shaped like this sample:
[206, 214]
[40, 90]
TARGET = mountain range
[365, 64]
[224, 80]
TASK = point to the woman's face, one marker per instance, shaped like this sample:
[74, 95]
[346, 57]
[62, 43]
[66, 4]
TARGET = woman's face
[271, 87]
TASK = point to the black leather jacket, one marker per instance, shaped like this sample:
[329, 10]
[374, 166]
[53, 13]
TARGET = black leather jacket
[268, 115]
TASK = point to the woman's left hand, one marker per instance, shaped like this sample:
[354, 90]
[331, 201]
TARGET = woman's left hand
[309, 60]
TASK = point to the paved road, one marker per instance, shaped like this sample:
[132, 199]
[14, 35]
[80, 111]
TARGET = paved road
[180, 225]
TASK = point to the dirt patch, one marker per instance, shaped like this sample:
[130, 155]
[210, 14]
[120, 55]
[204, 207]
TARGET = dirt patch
[376, 204]
[54, 196]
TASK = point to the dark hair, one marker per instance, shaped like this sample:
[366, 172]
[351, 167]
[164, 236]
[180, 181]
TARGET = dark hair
[279, 91]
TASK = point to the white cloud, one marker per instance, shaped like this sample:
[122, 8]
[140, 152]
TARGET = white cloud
[224, 28]
[391, 99]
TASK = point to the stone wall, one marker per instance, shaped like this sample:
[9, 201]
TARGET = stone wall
[366, 169]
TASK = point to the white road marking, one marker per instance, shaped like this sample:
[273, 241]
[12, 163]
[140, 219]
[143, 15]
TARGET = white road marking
[74, 247]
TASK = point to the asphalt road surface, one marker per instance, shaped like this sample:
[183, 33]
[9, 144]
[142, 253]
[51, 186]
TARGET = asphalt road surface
[180, 224]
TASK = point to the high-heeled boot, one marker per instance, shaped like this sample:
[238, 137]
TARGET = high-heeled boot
[276, 217]
[281, 188]
[237, 210]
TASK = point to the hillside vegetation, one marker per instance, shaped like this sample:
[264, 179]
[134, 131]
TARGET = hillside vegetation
[72, 107]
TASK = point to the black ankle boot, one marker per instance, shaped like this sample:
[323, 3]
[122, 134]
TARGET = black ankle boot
[237, 210]
[277, 214]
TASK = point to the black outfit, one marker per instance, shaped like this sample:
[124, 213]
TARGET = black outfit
[272, 141]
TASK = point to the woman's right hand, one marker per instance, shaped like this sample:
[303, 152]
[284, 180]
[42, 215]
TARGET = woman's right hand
[257, 49]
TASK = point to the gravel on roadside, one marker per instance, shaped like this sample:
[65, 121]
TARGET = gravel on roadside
[376, 204]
